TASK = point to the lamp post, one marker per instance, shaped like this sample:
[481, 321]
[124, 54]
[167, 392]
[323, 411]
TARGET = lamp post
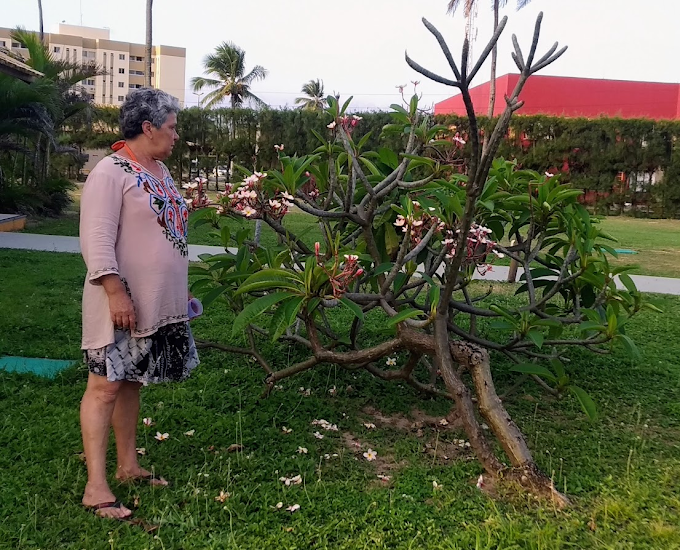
[200, 113]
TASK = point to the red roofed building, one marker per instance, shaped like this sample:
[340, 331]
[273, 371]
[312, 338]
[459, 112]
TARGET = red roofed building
[575, 97]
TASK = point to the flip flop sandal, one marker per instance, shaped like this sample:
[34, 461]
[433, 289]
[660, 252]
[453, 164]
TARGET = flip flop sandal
[103, 505]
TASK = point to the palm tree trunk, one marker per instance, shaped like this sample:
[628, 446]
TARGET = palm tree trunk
[149, 37]
[492, 79]
[494, 57]
[40, 12]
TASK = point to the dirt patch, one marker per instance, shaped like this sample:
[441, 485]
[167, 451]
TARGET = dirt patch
[384, 463]
[416, 422]
[438, 433]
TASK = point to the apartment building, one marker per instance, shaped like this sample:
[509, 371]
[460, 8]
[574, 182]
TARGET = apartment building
[123, 61]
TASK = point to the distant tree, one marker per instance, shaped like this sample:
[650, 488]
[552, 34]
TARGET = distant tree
[469, 7]
[228, 65]
[314, 99]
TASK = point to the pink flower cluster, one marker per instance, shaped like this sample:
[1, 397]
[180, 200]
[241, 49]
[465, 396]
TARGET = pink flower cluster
[249, 199]
[341, 274]
[346, 122]
[478, 246]
[420, 222]
[195, 196]
[309, 188]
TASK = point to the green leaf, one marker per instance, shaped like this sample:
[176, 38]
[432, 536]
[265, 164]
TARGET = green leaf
[211, 296]
[255, 309]
[284, 316]
[383, 268]
[391, 239]
[499, 324]
[533, 368]
[536, 337]
[404, 314]
[630, 346]
[587, 404]
[354, 308]
[591, 325]
[627, 282]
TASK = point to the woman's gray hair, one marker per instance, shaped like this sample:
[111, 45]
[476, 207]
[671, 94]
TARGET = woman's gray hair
[145, 104]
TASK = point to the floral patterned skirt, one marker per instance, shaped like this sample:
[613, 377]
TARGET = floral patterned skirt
[168, 355]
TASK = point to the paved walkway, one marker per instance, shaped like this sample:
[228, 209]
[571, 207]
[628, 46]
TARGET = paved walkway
[54, 243]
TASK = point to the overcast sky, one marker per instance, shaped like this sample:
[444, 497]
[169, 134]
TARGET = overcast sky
[357, 46]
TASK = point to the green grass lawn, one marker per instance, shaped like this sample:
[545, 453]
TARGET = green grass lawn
[622, 471]
[657, 243]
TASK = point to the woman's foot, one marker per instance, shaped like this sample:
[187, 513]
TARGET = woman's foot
[95, 497]
[138, 473]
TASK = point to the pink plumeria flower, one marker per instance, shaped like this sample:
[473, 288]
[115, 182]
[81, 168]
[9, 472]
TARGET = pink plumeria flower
[480, 481]
[279, 147]
[190, 433]
[147, 422]
[294, 508]
[302, 450]
[436, 485]
[162, 437]
[318, 435]
[286, 430]
[369, 425]
[391, 361]
[370, 455]
[249, 211]
[222, 496]
[384, 478]
[332, 125]
[443, 422]
[141, 451]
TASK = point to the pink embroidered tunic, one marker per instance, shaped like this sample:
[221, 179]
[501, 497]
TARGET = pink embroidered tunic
[135, 226]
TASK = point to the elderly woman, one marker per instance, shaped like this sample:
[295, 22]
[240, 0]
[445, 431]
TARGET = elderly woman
[133, 236]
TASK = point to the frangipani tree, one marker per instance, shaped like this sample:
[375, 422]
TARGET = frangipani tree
[404, 232]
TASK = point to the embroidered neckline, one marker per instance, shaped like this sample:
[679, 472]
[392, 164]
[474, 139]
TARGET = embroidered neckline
[144, 168]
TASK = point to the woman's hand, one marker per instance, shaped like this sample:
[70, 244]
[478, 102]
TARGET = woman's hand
[120, 305]
[122, 310]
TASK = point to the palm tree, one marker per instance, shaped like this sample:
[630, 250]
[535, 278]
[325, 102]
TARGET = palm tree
[228, 67]
[60, 98]
[469, 7]
[40, 12]
[315, 100]
[147, 52]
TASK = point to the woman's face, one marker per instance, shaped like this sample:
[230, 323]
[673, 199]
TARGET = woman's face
[164, 138]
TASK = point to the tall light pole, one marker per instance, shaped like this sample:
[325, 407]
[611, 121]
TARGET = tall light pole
[200, 114]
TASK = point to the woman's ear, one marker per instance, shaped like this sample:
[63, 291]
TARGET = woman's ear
[146, 128]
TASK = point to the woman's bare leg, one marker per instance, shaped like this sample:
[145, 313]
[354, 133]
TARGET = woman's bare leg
[96, 410]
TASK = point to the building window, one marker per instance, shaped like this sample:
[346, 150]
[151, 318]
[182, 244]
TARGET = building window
[57, 49]
[90, 82]
[135, 86]
[121, 56]
[16, 45]
[121, 70]
[121, 98]
[2, 43]
[121, 84]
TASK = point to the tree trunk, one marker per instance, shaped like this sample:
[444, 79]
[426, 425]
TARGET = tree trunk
[40, 12]
[149, 39]
[453, 358]
[492, 78]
